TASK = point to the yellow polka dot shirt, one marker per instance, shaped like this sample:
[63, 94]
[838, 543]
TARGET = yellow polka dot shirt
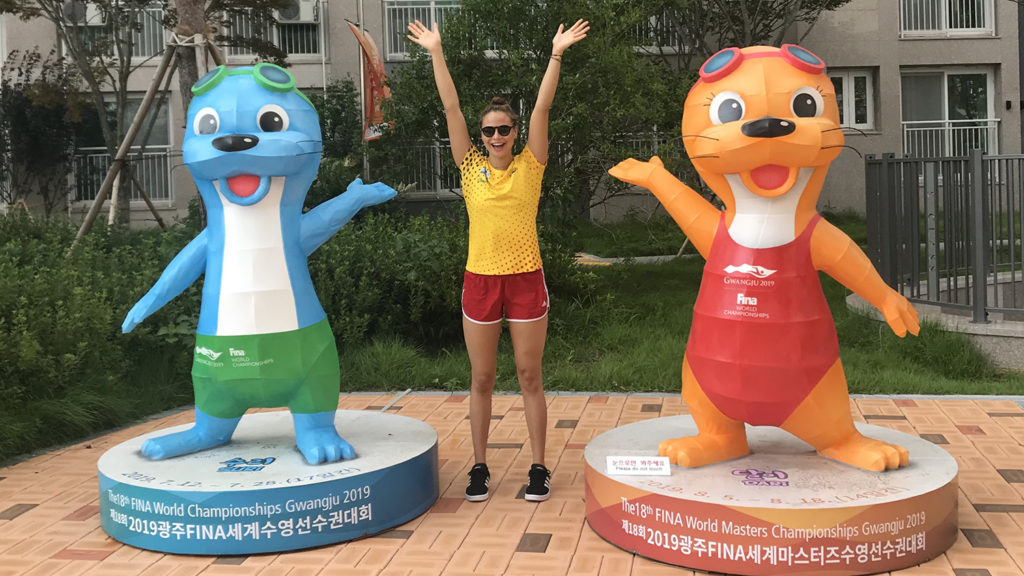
[502, 206]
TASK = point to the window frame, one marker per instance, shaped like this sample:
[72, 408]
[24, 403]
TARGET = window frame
[848, 110]
[239, 56]
[395, 37]
[944, 30]
[82, 152]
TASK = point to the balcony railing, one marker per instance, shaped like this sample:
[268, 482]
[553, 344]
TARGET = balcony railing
[153, 170]
[291, 37]
[398, 14]
[937, 138]
[147, 35]
[946, 17]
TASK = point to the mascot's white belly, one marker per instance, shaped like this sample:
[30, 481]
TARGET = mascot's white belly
[256, 295]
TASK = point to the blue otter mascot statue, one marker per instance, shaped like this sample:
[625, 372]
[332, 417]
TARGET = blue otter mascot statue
[253, 145]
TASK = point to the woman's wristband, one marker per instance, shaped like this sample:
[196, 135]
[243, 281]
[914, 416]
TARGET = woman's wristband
[556, 57]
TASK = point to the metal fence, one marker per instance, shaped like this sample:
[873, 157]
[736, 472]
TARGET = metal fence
[948, 231]
[429, 168]
[152, 169]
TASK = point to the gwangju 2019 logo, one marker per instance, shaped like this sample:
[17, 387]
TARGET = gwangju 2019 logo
[755, 271]
[243, 465]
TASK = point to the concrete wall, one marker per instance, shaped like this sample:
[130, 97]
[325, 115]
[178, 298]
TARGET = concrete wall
[866, 34]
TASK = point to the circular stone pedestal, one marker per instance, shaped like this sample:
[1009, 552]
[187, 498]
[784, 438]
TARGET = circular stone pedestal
[257, 493]
[780, 510]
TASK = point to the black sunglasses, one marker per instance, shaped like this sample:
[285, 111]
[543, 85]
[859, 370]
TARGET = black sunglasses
[488, 131]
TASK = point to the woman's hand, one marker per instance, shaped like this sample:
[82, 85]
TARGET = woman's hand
[429, 39]
[565, 38]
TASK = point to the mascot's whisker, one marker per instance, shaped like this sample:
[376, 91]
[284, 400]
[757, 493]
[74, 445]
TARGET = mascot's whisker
[845, 146]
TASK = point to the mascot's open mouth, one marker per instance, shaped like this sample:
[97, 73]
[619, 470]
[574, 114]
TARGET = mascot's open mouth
[244, 185]
[769, 176]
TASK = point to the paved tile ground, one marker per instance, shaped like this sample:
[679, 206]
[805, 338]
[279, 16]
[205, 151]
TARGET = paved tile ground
[49, 506]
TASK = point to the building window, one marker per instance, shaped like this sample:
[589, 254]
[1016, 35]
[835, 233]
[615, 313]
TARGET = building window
[296, 30]
[398, 14]
[91, 26]
[855, 96]
[151, 167]
[948, 113]
[946, 18]
[3, 39]
[658, 33]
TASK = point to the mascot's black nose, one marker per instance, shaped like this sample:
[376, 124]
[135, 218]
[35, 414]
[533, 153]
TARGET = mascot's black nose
[767, 127]
[235, 142]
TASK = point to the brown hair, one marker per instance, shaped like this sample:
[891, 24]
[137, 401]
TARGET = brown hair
[498, 104]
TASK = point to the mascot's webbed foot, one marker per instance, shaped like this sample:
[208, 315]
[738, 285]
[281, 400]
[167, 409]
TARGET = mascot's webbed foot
[867, 453]
[207, 432]
[317, 439]
[703, 449]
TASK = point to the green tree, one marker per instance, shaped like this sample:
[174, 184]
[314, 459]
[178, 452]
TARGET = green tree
[621, 91]
[38, 112]
[100, 37]
[611, 99]
[690, 31]
[342, 130]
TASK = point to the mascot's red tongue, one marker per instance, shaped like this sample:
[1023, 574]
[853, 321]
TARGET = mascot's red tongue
[244, 185]
[769, 176]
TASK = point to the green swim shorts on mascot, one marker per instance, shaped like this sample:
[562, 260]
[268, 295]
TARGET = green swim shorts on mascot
[253, 145]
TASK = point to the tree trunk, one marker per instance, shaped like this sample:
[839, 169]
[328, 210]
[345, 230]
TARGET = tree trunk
[191, 20]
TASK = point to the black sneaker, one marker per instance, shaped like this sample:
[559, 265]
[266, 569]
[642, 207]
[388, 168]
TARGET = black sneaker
[479, 481]
[539, 488]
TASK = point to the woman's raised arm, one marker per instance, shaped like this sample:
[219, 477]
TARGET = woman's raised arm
[538, 138]
[458, 134]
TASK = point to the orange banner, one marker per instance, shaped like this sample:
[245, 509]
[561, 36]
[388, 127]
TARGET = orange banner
[376, 90]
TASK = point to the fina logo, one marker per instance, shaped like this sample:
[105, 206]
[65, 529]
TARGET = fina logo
[756, 271]
[243, 465]
[207, 352]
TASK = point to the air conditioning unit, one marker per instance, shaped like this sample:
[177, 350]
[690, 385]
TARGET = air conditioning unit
[80, 13]
[299, 12]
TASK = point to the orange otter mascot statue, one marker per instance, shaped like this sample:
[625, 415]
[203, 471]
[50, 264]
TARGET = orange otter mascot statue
[761, 126]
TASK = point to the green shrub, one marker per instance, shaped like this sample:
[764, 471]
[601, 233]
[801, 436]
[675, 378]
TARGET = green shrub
[65, 369]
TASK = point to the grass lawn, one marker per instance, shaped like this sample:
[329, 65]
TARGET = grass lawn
[629, 334]
[657, 234]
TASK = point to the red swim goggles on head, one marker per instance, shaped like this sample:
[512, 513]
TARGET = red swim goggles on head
[725, 61]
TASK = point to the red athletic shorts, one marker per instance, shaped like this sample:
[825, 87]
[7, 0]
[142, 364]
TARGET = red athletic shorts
[523, 297]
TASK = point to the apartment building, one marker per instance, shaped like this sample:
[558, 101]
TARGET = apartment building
[915, 77]
[920, 78]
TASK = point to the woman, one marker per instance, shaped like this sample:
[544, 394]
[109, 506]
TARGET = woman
[503, 276]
